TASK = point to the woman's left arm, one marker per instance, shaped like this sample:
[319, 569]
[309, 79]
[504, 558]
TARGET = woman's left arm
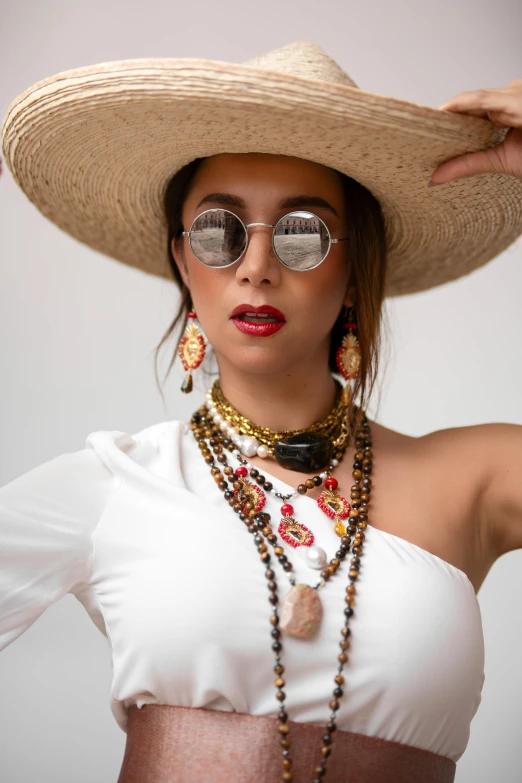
[501, 443]
[503, 107]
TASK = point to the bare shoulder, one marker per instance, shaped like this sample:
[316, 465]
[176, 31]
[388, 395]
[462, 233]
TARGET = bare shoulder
[456, 492]
[475, 452]
[462, 438]
[444, 464]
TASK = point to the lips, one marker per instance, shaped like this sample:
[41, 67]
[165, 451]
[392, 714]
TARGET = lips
[258, 321]
[266, 313]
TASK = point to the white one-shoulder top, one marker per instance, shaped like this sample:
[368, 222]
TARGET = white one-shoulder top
[135, 527]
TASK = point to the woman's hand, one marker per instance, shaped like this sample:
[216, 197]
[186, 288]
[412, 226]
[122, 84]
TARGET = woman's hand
[503, 107]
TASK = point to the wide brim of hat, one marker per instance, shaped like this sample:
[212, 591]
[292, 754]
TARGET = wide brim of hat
[94, 148]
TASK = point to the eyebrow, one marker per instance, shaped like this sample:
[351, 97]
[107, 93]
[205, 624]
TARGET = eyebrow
[291, 202]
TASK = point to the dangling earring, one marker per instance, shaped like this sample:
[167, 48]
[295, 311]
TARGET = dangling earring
[191, 350]
[348, 356]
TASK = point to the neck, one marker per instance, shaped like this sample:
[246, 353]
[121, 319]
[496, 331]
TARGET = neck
[284, 401]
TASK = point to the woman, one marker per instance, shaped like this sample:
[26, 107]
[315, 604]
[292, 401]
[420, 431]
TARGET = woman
[284, 260]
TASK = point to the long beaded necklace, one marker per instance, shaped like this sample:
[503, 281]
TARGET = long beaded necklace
[208, 437]
[301, 612]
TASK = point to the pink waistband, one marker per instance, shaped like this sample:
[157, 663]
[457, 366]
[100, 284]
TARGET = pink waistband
[167, 744]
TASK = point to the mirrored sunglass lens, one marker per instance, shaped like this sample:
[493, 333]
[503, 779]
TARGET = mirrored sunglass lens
[301, 240]
[217, 237]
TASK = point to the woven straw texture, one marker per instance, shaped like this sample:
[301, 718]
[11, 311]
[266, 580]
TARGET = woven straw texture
[93, 148]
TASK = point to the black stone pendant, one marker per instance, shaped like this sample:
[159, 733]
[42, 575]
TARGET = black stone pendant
[307, 452]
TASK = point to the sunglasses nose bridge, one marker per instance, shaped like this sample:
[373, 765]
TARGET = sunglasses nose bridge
[250, 235]
[268, 225]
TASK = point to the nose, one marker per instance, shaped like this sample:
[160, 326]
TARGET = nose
[259, 264]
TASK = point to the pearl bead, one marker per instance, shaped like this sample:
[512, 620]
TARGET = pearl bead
[324, 474]
[218, 418]
[314, 556]
[248, 445]
[223, 425]
[236, 439]
[335, 462]
[231, 432]
[262, 451]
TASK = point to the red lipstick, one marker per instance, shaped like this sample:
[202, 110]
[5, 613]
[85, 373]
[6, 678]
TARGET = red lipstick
[260, 321]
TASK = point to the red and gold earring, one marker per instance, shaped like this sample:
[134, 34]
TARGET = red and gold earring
[348, 356]
[191, 350]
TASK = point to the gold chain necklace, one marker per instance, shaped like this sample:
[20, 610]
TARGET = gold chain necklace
[333, 427]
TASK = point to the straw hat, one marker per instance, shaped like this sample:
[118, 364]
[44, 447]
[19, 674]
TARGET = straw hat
[93, 148]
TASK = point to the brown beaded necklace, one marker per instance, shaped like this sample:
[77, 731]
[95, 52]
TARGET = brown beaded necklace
[210, 438]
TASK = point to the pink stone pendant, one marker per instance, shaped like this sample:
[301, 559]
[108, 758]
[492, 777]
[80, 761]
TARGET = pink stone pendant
[301, 612]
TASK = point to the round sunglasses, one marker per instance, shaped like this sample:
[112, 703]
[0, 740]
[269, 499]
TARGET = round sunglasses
[301, 240]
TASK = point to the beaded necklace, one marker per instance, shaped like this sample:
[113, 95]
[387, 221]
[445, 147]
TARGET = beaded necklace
[210, 438]
[292, 532]
[330, 502]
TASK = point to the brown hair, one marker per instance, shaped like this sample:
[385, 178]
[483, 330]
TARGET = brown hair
[368, 267]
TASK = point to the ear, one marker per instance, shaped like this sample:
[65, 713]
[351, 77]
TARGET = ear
[179, 258]
[349, 299]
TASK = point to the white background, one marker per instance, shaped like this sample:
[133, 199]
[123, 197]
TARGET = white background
[79, 331]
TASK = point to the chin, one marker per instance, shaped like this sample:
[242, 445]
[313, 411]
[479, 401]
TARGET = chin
[259, 360]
